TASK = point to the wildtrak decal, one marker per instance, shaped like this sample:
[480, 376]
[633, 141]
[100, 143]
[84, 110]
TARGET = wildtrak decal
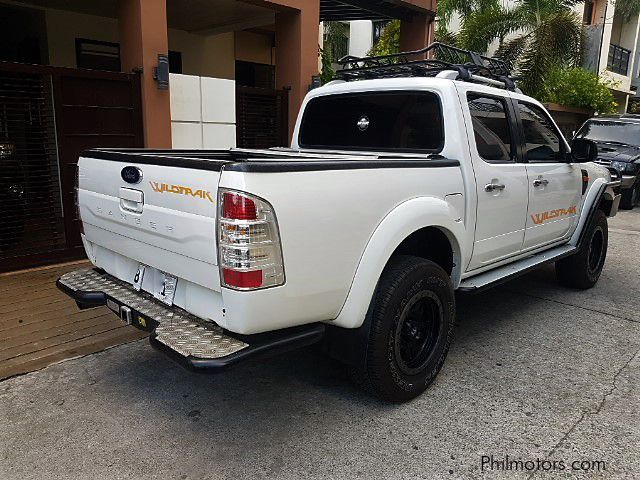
[181, 190]
[540, 218]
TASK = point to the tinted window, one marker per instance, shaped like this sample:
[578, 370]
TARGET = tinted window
[611, 131]
[97, 55]
[490, 128]
[249, 74]
[374, 121]
[541, 139]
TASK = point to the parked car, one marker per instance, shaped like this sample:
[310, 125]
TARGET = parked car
[618, 140]
[395, 194]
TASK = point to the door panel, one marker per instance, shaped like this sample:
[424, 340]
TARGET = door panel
[501, 214]
[501, 183]
[554, 206]
[554, 185]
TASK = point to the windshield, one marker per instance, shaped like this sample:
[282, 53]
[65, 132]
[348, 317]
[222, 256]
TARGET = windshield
[611, 131]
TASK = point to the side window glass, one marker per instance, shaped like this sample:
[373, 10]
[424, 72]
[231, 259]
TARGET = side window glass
[491, 128]
[542, 143]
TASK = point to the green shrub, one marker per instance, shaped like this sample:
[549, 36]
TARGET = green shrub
[580, 88]
[327, 73]
[389, 41]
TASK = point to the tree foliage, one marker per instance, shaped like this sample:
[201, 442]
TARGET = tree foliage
[335, 34]
[535, 36]
[475, 16]
[327, 73]
[335, 37]
[629, 9]
[389, 41]
[577, 87]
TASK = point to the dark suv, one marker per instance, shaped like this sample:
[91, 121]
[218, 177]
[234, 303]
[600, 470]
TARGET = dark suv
[618, 139]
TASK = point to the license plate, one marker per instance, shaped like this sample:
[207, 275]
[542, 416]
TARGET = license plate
[137, 278]
[166, 288]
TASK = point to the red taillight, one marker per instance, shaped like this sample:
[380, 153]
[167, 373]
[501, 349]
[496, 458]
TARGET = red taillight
[238, 207]
[235, 278]
[249, 250]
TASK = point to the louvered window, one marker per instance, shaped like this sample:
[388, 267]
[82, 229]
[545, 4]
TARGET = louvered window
[261, 118]
[30, 201]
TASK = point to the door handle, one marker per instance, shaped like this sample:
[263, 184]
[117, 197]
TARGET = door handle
[540, 182]
[492, 187]
[131, 200]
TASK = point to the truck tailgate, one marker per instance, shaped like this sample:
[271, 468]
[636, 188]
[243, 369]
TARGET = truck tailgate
[158, 215]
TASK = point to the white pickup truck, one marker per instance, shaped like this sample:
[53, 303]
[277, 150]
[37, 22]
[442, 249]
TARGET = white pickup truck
[396, 193]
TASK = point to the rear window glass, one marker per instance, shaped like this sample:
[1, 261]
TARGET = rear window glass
[407, 121]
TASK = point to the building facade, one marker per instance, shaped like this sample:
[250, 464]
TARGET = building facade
[612, 47]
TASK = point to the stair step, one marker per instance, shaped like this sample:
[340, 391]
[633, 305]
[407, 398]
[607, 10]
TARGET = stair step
[196, 344]
[179, 330]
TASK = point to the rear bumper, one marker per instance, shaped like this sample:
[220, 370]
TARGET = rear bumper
[197, 345]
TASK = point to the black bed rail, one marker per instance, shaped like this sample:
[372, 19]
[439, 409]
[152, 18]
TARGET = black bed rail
[428, 62]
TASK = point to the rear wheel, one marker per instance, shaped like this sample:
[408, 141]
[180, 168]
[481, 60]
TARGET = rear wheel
[583, 269]
[411, 327]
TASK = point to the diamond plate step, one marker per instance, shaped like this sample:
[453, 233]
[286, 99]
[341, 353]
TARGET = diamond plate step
[180, 331]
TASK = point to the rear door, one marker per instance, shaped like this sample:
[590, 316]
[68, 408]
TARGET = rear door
[501, 180]
[554, 185]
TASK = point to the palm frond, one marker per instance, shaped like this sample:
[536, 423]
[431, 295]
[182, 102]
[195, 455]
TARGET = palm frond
[554, 43]
[511, 50]
[629, 9]
[444, 35]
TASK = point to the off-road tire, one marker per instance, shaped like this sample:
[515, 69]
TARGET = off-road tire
[630, 197]
[582, 270]
[413, 308]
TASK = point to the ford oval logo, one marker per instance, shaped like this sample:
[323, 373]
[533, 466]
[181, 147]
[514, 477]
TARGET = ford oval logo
[131, 174]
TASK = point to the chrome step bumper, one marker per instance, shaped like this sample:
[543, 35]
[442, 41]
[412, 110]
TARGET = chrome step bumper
[196, 344]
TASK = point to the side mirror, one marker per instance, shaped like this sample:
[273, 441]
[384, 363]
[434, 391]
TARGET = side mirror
[583, 150]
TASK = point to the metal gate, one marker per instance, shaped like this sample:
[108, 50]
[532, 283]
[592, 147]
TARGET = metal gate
[48, 116]
[261, 117]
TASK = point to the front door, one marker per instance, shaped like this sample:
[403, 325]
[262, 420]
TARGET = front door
[554, 184]
[501, 181]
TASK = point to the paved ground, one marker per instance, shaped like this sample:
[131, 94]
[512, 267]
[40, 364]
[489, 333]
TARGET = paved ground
[536, 372]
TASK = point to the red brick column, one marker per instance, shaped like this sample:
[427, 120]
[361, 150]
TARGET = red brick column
[416, 33]
[143, 35]
[297, 29]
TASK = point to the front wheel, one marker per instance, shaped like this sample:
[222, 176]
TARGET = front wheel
[582, 270]
[411, 327]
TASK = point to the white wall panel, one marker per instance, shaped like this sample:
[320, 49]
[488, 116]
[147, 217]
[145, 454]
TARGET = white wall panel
[186, 135]
[203, 112]
[218, 135]
[218, 100]
[186, 100]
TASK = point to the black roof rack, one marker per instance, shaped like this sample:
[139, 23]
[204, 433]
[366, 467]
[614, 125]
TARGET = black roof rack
[429, 62]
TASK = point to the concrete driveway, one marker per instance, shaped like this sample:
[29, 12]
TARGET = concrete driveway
[537, 373]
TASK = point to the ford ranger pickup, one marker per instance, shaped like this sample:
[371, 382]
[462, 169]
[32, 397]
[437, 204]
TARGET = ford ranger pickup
[409, 178]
